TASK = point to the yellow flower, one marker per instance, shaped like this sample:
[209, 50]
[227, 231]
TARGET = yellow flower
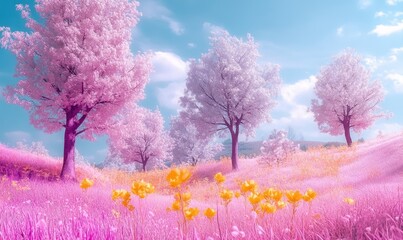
[226, 195]
[117, 193]
[209, 213]
[185, 197]
[254, 198]
[86, 183]
[293, 196]
[268, 207]
[177, 176]
[219, 178]
[176, 206]
[309, 195]
[130, 207]
[237, 194]
[281, 204]
[191, 213]
[142, 189]
[273, 194]
[349, 201]
[248, 186]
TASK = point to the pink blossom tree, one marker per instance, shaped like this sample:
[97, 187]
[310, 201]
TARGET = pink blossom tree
[277, 148]
[138, 136]
[346, 98]
[226, 89]
[188, 148]
[76, 67]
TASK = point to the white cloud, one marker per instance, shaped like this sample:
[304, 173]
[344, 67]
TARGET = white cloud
[380, 14]
[397, 50]
[169, 96]
[191, 45]
[397, 80]
[292, 111]
[340, 31]
[374, 62]
[299, 92]
[209, 27]
[382, 30]
[155, 10]
[364, 3]
[15, 136]
[393, 2]
[168, 67]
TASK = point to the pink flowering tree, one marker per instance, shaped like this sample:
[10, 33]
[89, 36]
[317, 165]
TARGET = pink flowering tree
[75, 67]
[277, 148]
[188, 147]
[346, 98]
[138, 136]
[227, 91]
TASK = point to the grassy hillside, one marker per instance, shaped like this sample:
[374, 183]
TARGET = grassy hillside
[358, 197]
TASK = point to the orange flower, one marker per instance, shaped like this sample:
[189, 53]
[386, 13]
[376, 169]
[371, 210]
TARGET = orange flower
[273, 194]
[309, 195]
[281, 204]
[209, 213]
[268, 207]
[177, 176]
[248, 186]
[86, 183]
[183, 196]
[226, 195]
[349, 201]
[293, 196]
[254, 198]
[191, 213]
[219, 178]
[176, 206]
[142, 189]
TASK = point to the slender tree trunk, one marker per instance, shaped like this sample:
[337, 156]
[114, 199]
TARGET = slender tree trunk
[234, 149]
[347, 135]
[144, 161]
[68, 169]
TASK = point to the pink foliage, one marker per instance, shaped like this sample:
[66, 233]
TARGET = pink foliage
[138, 136]
[345, 96]
[79, 57]
[277, 148]
[188, 147]
[227, 89]
[75, 66]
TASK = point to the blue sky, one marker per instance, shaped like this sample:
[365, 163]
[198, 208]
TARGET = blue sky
[301, 36]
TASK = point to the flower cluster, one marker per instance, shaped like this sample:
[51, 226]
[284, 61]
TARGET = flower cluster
[142, 188]
[125, 196]
[139, 188]
[176, 179]
[86, 183]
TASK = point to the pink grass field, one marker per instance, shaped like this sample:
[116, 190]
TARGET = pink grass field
[35, 204]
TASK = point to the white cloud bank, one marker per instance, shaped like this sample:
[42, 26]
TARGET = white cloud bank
[393, 2]
[383, 30]
[154, 10]
[397, 80]
[170, 69]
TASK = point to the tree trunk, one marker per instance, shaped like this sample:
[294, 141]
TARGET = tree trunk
[144, 161]
[347, 135]
[234, 150]
[68, 169]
